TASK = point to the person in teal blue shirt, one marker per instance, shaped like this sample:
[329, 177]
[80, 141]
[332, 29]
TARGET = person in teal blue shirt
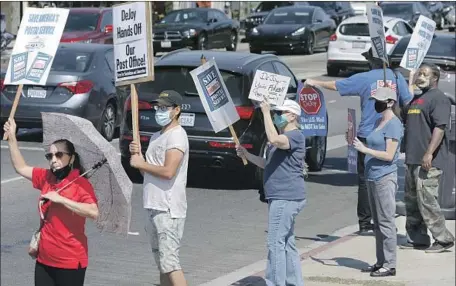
[365, 86]
[382, 152]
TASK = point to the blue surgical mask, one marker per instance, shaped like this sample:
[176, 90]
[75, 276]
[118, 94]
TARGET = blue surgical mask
[162, 117]
[280, 121]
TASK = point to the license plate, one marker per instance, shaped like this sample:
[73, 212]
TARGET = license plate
[358, 45]
[165, 44]
[187, 119]
[36, 93]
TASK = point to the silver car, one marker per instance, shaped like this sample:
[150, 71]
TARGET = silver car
[81, 83]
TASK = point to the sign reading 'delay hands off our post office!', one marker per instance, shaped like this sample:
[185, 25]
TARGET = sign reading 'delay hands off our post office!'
[132, 38]
[270, 87]
[377, 32]
[36, 44]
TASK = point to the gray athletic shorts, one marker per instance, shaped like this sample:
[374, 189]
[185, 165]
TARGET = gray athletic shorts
[165, 234]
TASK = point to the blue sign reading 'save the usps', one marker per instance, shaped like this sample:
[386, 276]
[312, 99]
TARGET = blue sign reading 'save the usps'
[313, 111]
[216, 96]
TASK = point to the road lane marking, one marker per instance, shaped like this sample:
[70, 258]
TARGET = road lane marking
[334, 142]
[133, 233]
[12, 180]
[332, 101]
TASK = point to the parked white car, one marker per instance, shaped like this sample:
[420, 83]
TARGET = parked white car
[352, 39]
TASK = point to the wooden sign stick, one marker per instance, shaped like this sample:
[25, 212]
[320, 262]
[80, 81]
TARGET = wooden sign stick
[14, 107]
[233, 133]
[134, 113]
[384, 73]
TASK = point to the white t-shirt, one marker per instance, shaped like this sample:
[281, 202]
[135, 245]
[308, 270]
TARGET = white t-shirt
[159, 193]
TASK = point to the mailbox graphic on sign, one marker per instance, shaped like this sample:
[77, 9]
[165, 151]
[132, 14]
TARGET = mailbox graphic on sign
[310, 100]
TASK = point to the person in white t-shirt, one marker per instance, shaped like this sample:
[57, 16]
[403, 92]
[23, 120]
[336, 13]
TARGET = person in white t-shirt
[165, 180]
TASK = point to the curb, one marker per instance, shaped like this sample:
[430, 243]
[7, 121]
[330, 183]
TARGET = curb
[249, 275]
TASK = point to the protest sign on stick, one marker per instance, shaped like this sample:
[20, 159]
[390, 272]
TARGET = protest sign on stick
[377, 34]
[313, 118]
[352, 156]
[133, 50]
[269, 87]
[419, 44]
[216, 98]
[33, 54]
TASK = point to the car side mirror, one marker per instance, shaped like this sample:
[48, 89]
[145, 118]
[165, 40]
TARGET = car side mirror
[319, 21]
[108, 29]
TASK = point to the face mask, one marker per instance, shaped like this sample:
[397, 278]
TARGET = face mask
[62, 173]
[162, 117]
[380, 106]
[280, 121]
[423, 83]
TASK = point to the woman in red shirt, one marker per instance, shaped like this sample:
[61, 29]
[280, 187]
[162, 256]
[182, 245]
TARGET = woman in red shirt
[62, 256]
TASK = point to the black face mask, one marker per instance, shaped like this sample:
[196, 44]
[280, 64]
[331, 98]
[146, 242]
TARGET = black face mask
[62, 173]
[380, 106]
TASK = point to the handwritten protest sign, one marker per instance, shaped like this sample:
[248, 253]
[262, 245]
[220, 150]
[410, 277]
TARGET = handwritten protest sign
[377, 32]
[313, 115]
[214, 96]
[352, 156]
[36, 45]
[419, 44]
[270, 87]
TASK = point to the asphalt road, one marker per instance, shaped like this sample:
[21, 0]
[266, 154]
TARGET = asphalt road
[226, 224]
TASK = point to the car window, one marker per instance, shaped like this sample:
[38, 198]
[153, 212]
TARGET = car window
[292, 18]
[106, 20]
[185, 16]
[319, 15]
[270, 5]
[109, 56]
[440, 47]
[166, 78]
[397, 9]
[267, 67]
[356, 29]
[78, 22]
[220, 16]
[283, 70]
[71, 61]
[408, 28]
[400, 29]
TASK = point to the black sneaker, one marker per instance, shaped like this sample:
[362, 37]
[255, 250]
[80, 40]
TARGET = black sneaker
[409, 245]
[366, 228]
[384, 272]
[438, 247]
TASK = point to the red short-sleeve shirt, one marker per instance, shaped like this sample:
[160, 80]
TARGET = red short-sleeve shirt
[63, 241]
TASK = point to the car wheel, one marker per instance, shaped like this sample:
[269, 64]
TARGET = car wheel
[255, 51]
[316, 155]
[332, 71]
[202, 42]
[310, 45]
[108, 122]
[233, 42]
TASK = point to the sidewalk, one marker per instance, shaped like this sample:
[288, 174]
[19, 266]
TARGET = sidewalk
[339, 263]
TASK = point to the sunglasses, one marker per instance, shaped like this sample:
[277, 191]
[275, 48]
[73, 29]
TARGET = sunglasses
[58, 155]
[163, 108]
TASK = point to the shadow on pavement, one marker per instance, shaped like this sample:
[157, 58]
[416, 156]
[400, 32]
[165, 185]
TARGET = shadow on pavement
[319, 237]
[217, 179]
[334, 174]
[342, 261]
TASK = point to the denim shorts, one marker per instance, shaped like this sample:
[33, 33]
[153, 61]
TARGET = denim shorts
[165, 234]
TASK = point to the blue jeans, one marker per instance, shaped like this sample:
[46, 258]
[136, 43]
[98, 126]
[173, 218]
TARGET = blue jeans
[284, 264]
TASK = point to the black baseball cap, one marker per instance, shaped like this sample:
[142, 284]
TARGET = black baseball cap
[169, 98]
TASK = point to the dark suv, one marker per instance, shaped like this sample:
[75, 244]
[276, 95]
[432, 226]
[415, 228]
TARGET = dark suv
[207, 148]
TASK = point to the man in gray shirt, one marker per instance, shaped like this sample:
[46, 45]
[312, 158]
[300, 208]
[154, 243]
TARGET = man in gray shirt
[425, 154]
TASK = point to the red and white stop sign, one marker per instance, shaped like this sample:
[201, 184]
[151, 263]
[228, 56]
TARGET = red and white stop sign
[310, 100]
